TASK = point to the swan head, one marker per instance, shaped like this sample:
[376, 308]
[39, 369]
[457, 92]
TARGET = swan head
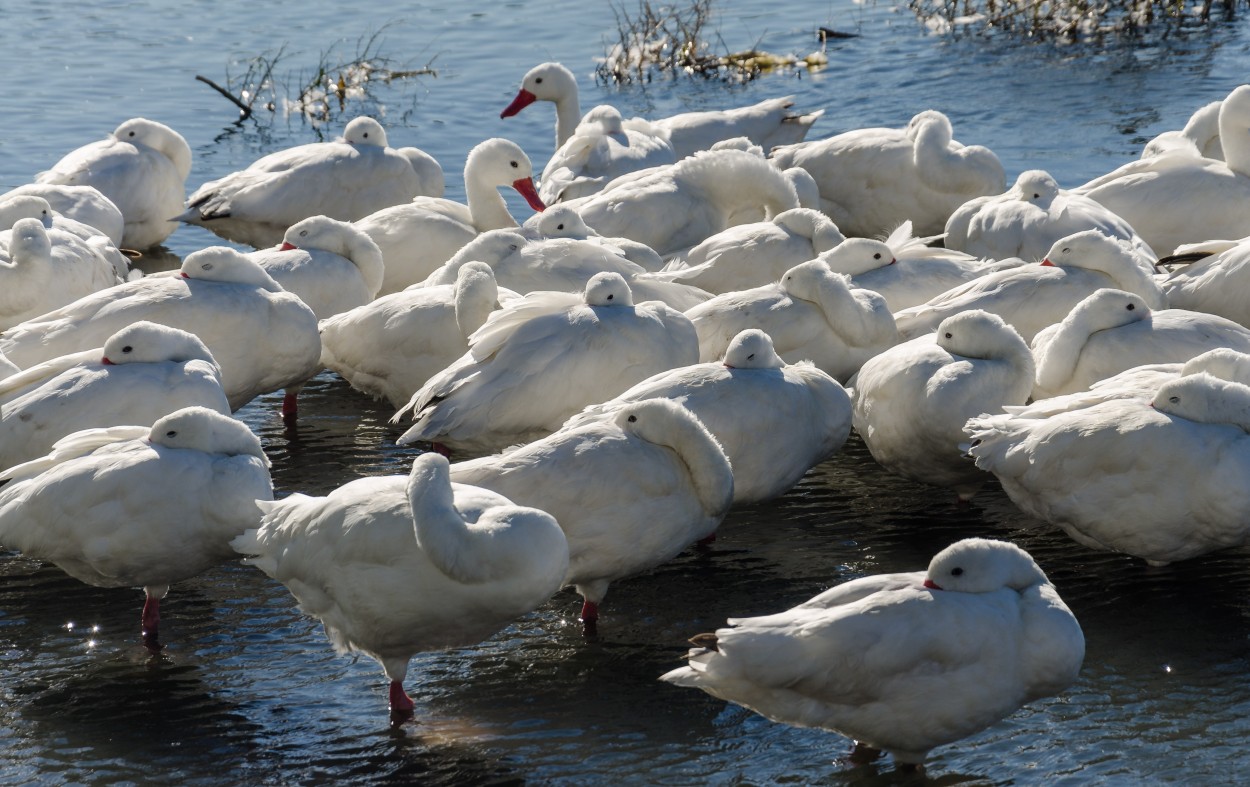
[1223, 362]
[543, 82]
[854, 256]
[225, 265]
[807, 279]
[149, 342]
[429, 482]
[365, 131]
[29, 238]
[933, 124]
[25, 206]
[475, 274]
[202, 429]
[319, 232]
[1205, 398]
[982, 565]
[980, 334]
[160, 137]
[739, 143]
[1091, 250]
[1035, 186]
[491, 247]
[1108, 308]
[562, 221]
[602, 119]
[608, 288]
[501, 162]
[752, 349]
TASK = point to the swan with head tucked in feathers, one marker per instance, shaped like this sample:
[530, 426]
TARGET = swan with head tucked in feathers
[602, 148]
[331, 265]
[811, 314]
[418, 236]
[390, 347]
[674, 207]
[1031, 297]
[901, 662]
[138, 505]
[1218, 284]
[1199, 136]
[543, 358]
[143, 371]
[1027, 219]
[142, 168]
[92, 244]
[1112, 331]
[42, 270]
[912, 400]
[563, 221]
[264, 338]
[754, 254]
[85, 204]
[1159, 479]
[345, 179]
[1216, 193]
[902, 268]
[630, 492]
[873, 179]
[768, 123]
[394, 566]
[774, 420]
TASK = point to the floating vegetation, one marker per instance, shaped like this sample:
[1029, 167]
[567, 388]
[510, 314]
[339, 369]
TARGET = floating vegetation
[1068, 20]
[334, 87]
[670, 40]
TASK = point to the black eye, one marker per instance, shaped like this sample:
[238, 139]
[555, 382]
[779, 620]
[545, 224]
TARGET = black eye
[1130, 307]
[948, 334]
[956, 572]
[365, 136]
[877, 256]
[1037, 196]
[514, 164]
[1065, 251]
[131, 134]
[127, 348]
[610, 297]
[208, 266]
[749, 357]
[171, 433]
[632, 418]
[559, 226]
[1174, 399]
[303, 233]
[538, 81]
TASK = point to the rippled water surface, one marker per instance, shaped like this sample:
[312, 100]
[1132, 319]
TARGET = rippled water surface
[249, 691]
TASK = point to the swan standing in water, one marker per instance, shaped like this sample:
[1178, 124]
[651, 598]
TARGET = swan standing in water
[905, 662]
[395, 566]
[912, 400]
[775, 421]
[873, 179]
[346, 179]
[629, 492]
[100, 505]
[143, 371]
[418, 236]
[142, 168]
[544, 358]
[330, 265]
[768, 123]
[390, 347]
[1161, 480]
[812, 314]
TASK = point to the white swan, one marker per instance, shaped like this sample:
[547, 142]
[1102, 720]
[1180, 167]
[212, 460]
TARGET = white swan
[1031, 297]
[346, 179]
[418, 236]
[331, 265]
[1200, 135]
[142, 372]
[677, 206]
[1218, 284]
[630, 492]
[543, 358]
[1027, 219]
[395, 566]
[768, 123]
[602, 147]
[1112, 331]
[37, 276]
[90, 243]
[902, 268]
[811, 314]
[142, 168]
[563, 221]
[390, 347]
[873, 179]
[902, 662]
[84, 204]
[264, 338]
[912, 400]
[524, 265]
[138, 505]
[774, 420]
[754, 254]
[1217, 193]
[1162, 482]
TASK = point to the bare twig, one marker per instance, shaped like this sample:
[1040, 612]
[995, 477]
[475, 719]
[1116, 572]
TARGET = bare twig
[245, 111]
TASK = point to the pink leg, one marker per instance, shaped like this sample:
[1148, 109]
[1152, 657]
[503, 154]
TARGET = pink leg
[706, 541]
[441, 449]
[400, 701]
[151, 616]
[590, 612]
[290, 405]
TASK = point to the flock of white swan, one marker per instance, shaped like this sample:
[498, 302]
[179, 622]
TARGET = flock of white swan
[700, 309]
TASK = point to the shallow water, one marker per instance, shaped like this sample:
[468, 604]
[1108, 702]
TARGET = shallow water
[248, 690]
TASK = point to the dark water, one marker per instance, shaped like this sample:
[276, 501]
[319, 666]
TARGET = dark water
[249, 691]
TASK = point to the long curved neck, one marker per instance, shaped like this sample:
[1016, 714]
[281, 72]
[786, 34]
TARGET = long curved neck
[486, 205]
[1134, 278]
[858, 316]
[568, 115]
[1057, 363]
[462, 553]
[705, 461]
[367, 258]
[735, 181]
[1235, 134]
[475, 299]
